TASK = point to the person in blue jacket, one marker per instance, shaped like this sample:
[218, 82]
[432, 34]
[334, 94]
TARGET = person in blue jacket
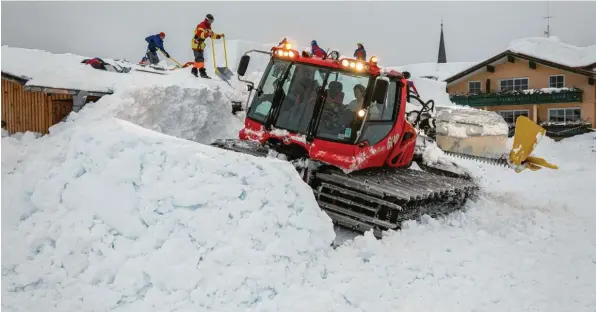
[360, 53]
[155, 42]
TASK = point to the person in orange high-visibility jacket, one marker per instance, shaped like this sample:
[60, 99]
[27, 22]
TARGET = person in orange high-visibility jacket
[202, 32]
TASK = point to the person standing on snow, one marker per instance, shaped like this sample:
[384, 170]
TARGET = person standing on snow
[316, 50]
[360, 53]
[202, 32]
[155, 42]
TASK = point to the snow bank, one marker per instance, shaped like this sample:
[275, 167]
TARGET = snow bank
[554, 50]
[112, 216]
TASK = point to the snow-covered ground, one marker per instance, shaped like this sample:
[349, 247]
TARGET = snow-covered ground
[105, 214]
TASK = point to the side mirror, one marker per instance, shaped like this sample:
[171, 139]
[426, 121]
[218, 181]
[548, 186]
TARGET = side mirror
[380, 91]
[243, 65]
[407, 75]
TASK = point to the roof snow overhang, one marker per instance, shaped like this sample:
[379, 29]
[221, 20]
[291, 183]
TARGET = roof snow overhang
[14, 78]
[502, 58]
[33, 88]
[43, 89]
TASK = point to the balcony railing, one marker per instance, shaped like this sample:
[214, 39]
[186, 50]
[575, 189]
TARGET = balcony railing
[518, 98]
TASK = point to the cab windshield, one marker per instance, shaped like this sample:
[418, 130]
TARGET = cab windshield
[344, 97]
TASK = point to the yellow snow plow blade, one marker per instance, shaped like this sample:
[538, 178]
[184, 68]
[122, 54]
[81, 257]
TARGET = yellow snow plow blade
[527, 135]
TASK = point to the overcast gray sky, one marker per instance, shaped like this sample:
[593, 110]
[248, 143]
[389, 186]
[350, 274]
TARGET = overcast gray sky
[397, 32]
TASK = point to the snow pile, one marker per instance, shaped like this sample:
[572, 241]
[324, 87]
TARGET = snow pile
[552, 49]
[115, 217]
[200, 114]
[463, 122]
[438, 71]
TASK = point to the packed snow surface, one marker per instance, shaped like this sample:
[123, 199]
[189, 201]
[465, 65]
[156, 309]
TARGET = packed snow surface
[554, 50]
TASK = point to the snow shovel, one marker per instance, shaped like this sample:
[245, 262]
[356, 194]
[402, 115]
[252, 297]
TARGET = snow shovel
[171, 58]
[222, 72]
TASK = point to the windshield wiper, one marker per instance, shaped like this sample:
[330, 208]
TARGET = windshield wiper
[313, 124]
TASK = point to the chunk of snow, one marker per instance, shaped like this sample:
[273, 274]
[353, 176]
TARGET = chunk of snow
[463, 122]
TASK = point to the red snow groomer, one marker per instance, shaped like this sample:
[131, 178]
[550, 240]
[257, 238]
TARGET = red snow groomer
[343, 123]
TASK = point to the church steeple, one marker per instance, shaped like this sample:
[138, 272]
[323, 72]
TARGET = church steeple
[442, 54]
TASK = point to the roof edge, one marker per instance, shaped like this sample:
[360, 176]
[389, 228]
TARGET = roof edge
[35, 88]
[18, 79]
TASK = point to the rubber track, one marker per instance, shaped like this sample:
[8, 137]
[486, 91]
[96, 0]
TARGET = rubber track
[380, 198]
[383, 198]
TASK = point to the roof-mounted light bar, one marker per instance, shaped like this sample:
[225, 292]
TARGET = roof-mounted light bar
[355, 65]
[285, 51]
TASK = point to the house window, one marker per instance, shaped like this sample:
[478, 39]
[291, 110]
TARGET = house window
[564, 114]
[515, 84]
[510, 116]
[557, 81]
[474, 87]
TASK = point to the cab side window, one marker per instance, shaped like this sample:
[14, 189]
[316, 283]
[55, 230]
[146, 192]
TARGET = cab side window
[381, 116]
[384, 111]
[261, 105]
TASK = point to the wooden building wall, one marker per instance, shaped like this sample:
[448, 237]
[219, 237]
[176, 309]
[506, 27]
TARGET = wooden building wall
[32, 111]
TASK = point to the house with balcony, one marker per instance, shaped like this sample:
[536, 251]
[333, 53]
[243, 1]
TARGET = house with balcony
[551, 82]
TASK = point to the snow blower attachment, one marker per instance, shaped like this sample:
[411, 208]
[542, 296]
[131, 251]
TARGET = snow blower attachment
[342, 124]
[222, 72]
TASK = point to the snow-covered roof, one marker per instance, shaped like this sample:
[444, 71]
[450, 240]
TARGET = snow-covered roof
[61, 71]
[554, 50]
[65, 71]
